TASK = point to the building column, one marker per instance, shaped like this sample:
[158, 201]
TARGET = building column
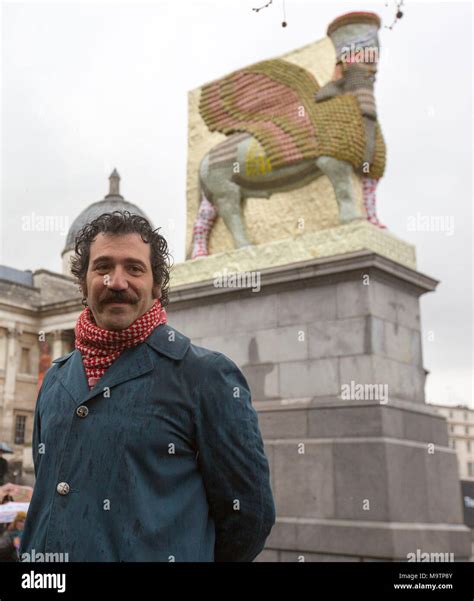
[7, 425]
[60, 343]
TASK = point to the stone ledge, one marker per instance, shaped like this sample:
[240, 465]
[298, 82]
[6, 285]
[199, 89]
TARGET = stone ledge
[317, 271]
[388, 540]
[356, 236]
[346, 422]
[337, 403]
[340, 440]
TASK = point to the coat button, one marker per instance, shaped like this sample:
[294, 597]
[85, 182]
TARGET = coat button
[63, 488]
[82, 411]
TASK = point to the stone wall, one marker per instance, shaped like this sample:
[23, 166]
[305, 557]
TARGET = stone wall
[356, 477]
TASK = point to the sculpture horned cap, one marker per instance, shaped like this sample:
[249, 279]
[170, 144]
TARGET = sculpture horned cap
[356, 30]
[353, 18]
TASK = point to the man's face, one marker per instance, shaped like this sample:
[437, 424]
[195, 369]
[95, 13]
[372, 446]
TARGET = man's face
[119, 280]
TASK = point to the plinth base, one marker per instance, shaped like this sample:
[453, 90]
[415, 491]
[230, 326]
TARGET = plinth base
[356, 236]
[331, 348]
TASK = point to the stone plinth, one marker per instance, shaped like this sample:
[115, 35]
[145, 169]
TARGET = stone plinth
[331, 348]
[359, 235]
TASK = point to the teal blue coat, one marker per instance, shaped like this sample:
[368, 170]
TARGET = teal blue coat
[164, 460]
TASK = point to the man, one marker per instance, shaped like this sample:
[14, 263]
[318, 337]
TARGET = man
[3, 468]
[146, 447]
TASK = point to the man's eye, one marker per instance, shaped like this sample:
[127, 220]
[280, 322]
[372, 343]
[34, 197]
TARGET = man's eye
[101, 267]
[136, 267]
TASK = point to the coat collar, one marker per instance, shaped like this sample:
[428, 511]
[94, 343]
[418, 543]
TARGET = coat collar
[168, 341]
[133, 362]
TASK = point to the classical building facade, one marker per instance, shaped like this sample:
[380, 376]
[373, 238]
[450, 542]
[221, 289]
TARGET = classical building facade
[38, 312]
[461, 436]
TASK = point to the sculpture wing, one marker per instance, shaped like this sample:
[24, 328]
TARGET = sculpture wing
[272, 100]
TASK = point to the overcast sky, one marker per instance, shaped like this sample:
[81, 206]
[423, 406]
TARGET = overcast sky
[90, 86]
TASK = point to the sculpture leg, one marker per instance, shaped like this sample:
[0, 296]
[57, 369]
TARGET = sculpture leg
[340, 175]
[228, 205]
[369, 186]
[225, 195]
[207, 214]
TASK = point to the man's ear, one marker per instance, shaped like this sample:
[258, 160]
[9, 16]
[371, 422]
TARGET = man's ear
[156, 291]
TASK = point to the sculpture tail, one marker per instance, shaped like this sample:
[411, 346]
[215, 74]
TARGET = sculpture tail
[369, 186]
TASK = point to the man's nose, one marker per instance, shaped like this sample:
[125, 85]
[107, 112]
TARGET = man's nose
[117, 279]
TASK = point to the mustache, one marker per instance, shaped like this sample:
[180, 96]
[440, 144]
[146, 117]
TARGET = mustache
[118, 298]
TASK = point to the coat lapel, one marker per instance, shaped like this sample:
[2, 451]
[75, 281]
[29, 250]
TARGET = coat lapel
[72, 375]
[133, 362]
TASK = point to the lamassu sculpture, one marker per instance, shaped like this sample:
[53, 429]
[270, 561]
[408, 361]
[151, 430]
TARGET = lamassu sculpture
[284, 130]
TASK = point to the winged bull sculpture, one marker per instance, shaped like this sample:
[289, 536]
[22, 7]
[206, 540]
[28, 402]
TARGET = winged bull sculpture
[284, 130]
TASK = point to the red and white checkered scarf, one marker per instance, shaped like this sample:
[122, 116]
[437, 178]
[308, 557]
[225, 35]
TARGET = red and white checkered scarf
[100, 348]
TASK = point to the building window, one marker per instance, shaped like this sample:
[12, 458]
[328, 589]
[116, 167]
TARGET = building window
[453, 444]
[466, 428]
[25, 362]
[468, 445]
[470, 469]
[451, 414]
[451, 429]
[20, 426]
[465, 415]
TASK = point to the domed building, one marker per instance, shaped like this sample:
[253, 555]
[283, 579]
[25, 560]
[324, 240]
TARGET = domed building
[39, 312]
[113, 201]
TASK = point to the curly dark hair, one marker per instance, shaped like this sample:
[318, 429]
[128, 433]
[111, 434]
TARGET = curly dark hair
[124, 222]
